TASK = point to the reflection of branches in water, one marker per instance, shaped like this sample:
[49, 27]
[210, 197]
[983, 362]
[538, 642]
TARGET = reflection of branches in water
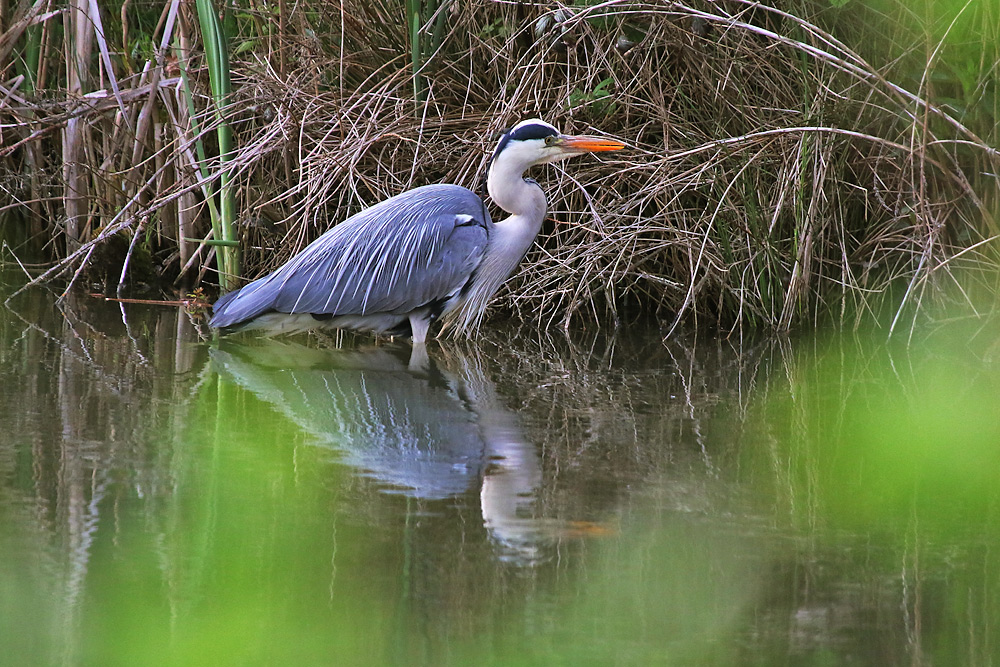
[86, 405]
[629, 408]
[562, 431]
[77, 334]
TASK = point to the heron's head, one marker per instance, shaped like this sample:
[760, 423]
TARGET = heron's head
[532, 142]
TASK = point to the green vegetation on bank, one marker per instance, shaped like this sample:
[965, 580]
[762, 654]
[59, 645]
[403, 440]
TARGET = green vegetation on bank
[807, 160]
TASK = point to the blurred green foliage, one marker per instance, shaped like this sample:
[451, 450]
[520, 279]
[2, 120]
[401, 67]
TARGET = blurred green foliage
[878, 433]
[946, 50]
[889, 453]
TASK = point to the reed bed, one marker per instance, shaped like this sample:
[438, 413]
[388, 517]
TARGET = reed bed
[788, 164]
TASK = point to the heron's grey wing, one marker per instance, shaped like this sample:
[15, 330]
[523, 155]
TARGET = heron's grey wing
[410, 251]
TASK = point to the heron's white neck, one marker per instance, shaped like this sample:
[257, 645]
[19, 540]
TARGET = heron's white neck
[526, 203]
[509, 238]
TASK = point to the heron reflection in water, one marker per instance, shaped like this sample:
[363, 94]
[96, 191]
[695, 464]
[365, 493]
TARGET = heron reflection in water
[429, 432]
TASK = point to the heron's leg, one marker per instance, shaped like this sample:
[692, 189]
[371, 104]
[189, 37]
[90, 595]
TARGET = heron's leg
[419, 324]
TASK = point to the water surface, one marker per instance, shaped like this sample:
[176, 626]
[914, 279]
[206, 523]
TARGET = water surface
[525, 499]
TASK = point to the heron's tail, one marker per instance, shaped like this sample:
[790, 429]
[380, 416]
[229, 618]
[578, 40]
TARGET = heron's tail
[241, 306]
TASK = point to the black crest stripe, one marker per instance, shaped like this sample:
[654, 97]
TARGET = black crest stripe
[533, 131]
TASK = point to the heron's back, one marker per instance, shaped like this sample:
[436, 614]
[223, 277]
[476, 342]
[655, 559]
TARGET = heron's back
[408, 252]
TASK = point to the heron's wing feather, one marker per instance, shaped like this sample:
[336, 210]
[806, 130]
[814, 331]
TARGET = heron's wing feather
[409, 251]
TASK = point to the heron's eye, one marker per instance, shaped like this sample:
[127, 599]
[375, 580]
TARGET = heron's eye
[550, 140]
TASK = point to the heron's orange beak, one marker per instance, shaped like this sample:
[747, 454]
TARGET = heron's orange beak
[590, 144]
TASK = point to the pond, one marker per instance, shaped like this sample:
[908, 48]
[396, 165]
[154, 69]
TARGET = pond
[524, 499]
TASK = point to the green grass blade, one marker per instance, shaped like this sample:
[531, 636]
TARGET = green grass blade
[416, 60]
[217, 56]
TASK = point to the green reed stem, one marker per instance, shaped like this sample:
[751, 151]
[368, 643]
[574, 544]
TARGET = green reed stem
[32, 56]
[217, 57]
[416, 56]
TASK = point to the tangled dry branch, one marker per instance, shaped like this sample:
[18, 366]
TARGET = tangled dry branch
[775, 177]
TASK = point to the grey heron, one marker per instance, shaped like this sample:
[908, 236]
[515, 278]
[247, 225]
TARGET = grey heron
[429, 253]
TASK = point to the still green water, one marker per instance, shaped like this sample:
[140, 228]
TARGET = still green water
[521, 500]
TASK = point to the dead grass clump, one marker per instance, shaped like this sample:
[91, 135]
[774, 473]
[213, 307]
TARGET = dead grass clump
[776, 176]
